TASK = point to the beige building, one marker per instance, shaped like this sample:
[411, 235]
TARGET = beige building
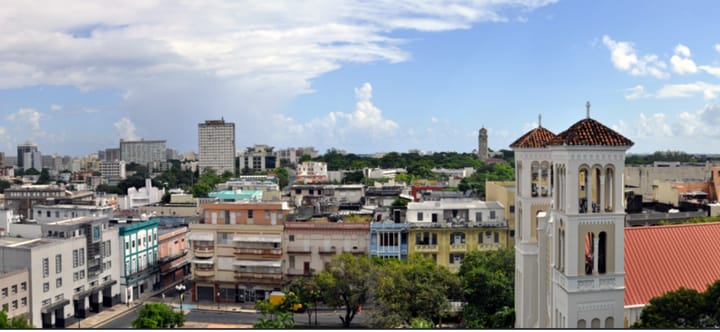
[504, 193]
[216, 146]
[643, 178]
[15, 296]
[310, 246]
[236, 251]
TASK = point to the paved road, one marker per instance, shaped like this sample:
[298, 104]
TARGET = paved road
[325, 319]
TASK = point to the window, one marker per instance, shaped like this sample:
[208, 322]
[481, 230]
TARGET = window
[250, 214]
[23, 286]
[492, 215]
[75, 258]
[497, 237]
[267, 214]
[48, 214]
[23, 301]
[488, 236]
[46, 267]
[108, 249]
[46, 287]
[292, 238]
[82, 256]
[76, 276]
[434, 217]
[298, 191]
[58, 282]
[58, 263]
[480, 238]
[478, 216]
[13, 289]
[14, 304]
[512, 208]
[4, 292]
[133, 243]
[57, 214]
[127, 245]
[420, 216]
[81, 275]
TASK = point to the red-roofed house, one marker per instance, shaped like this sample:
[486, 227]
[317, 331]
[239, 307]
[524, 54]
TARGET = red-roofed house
[659, 259]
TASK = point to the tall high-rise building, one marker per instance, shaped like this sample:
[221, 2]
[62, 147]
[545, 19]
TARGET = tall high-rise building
[141, 152]
[29, 156]
[216, 143]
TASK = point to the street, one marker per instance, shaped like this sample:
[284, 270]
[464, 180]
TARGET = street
[326, 318]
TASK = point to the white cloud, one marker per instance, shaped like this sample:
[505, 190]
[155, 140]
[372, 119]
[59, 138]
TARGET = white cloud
[715, 71]
[708, 91]
[28, 115]
[433, 119]
[636, 92]
[126, 129]
[55, 107]
[717, 48]
[697, 125]
[681, 62]
[625, 58]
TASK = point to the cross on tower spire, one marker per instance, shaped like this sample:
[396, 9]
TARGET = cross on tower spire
[587, 109]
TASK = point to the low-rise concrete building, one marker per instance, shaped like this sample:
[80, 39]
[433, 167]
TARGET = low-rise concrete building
[42, 213]
[138, 245]
[15, 295]
[173, 255]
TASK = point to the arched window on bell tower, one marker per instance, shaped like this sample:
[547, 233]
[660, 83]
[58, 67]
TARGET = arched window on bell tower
[534, 179]
[589, 252]
[602, 253]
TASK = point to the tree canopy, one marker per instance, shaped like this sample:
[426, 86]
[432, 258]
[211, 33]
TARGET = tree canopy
[346, 282]
[683, 308]
[488, 284]
[18, 322]
[158, 316]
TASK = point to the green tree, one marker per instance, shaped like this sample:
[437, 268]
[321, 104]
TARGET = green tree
[158, 316]
[4, 185]
[346, 283]
[44, 177]
[308, 294]
[107, 188]
[488, 287]
[417, 289]
[276, 316]
[283, 176]
[683, 308]
[201, 189]
[31, 171]
[18, 322]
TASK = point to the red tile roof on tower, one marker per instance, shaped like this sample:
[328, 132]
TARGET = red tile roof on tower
[659, 259]
[590, 132]
[536, 138]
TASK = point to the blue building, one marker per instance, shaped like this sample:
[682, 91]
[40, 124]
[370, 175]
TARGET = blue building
[139, 247]
[389, 239]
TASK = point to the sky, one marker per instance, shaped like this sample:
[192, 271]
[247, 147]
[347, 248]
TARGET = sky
[360, 76]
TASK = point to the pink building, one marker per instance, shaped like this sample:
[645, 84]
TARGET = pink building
[172, 255]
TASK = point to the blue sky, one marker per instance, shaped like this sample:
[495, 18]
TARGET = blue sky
[362, 77]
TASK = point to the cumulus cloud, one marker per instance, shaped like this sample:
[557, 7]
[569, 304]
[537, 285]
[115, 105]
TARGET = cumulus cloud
[55, 107]
[681, 62]
[700, 124]
[27, 115]
[625, 58]
[707, 90]
[717, 48]
[636, 92]
[126, 129]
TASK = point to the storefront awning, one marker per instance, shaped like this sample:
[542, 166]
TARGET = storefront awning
[257, 238]
[196, 236]
[257, 263]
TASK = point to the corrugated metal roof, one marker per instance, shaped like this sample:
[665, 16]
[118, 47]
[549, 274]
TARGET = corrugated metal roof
[659, 259]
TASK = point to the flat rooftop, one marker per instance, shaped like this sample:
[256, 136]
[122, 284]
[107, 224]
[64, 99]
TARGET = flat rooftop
[14, 242]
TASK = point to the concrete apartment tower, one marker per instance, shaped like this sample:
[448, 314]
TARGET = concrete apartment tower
[216, 144]
[570, 224]
[28, 156]
[483, 144]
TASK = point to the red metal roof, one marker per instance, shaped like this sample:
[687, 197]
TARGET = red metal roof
[659, 259]
[536, 138]
[590, 132]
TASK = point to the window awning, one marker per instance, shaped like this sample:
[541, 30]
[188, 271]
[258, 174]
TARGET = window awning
[202, 261]
[257, 238]
[257, 263]
[196, 236]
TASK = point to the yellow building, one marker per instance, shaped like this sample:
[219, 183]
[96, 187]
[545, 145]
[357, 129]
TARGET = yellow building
[446, 230]
[504, 192]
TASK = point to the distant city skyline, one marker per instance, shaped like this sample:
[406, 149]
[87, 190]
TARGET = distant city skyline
[361, 77]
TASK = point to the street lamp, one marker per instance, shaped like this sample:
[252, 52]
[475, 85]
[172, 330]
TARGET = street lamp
[218, 300]
[181, 289]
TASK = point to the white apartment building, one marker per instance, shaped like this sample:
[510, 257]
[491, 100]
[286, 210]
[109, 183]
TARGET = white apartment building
[259, 157]
[216, 144]
[113, 169]
[48, 213]
[15, 295]
[142, 152]
[142, 196]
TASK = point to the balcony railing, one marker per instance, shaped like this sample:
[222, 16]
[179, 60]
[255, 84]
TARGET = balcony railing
[327, 250]
[458, 247]
[426, 247]
[489, 246]
[204, 251]
[298, 250]
[257, 251]
[258, 277]
[204, 273]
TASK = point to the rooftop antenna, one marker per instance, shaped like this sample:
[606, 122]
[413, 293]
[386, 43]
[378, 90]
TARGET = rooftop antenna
[539, 120]
[587, 109]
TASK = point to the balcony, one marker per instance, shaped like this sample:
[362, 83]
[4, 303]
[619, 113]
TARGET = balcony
[327, 250]
[204, 273]
[489, 246]
[458, 247]
[204, 251]
[271, 252]
[426, 247]
[258, 277]
[298, 250]
[358, 251]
